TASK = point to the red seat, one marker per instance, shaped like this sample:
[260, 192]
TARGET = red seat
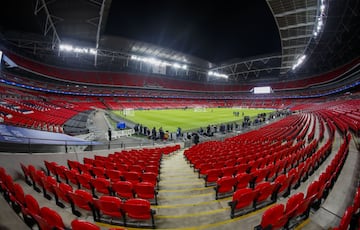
[243, 201]
[146, 190]
[17, 198]
[85, 168]
[26, 172]
[49, 183]
[84, 180]
[60, 173]
[99, 172]
[150, 177]
[52, 218]
[242, 180]
[109, 206]
[293, 203]
[212, 175]
[124, 189]
[346, 219]
[225, 186]
[82, 199]
[285, 183]
[132, 177]
[274, 218]
[30, 209]
[114, 175]
[258, 176]
[71, 177]
[83, 225]
[266, 193]
[61, 192]
[73, 165]
[228, 171]
[51, 168]
[139, 209]
[100, 185]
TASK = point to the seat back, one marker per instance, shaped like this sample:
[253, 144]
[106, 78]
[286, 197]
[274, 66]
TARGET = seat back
[271, 216]
[52, 218]
[83, 225]
[137, 208]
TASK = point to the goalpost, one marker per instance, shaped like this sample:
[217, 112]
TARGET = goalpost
[199, 109]
[129, 112]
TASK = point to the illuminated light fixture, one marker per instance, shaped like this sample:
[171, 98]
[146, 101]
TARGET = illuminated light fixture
[216, 74]
[299, 61]
[154, 61]
[1, 56]
[320, 22]
[75, 49]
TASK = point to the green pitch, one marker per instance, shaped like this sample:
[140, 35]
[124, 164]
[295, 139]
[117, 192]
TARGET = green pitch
[171, 119]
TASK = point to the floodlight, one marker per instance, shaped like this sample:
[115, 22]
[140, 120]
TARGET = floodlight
[1, 56]
[216, 74]
[299, 61]
[75, 49]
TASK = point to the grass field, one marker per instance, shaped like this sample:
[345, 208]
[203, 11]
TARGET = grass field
[171, 119]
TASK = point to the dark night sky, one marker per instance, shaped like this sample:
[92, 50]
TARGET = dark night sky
[214, 30]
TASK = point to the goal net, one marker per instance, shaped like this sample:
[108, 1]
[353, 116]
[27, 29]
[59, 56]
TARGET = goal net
[128, 112]
[199, 109]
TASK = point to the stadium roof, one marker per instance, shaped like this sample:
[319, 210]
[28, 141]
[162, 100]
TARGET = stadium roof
[249, 40]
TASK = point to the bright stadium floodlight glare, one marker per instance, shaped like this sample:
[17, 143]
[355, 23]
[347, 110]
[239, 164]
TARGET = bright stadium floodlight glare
[261, 90]
[319, 24]
[1, 56]
[216, 74]
[75, 49]
[299, 61]
[154, 61]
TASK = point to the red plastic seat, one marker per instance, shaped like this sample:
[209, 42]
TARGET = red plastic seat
[285, 183]
[51, 168]
[85, 169]
[146, 190]
[26, 172]
[150, 177]
[17, 198]
[293, 203]
[109, 206]
[243, 199]
[83, 225]
[73, 165]
[228, 171]
[243, 180]
[49, 183]
[133, 177]
[61, 192]
[114, 175]
[266, 193]
[346, 219]
[60, 173]
[212, 175]
[52, 218]
[139, 209]
[99, 172]
[274, 218]
[225, 186]
[124, 189]
[100, 185]
[30, 209]
[258, 176]
[84, 180]
[71, 177]
[136, 168]
[82, 199]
